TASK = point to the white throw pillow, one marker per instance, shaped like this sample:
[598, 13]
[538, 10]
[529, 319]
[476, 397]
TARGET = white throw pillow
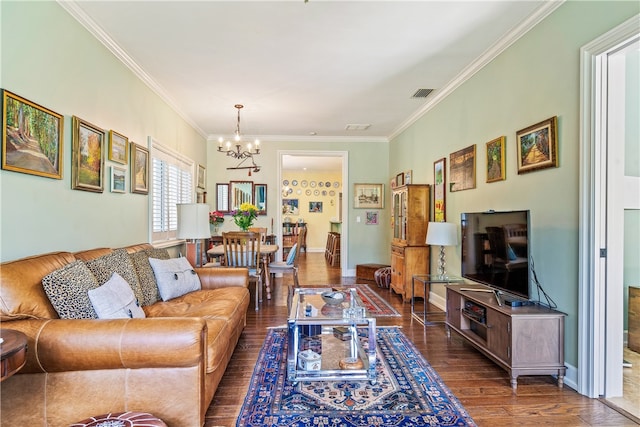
[115, 300]
[175, 277]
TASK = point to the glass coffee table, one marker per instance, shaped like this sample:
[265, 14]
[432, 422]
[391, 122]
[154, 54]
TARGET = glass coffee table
[323, 342]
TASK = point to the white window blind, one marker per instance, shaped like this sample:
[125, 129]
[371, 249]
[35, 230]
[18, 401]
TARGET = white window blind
[172, 182]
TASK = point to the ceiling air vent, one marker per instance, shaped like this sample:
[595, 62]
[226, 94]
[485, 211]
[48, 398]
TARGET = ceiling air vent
[357, 127]
[422, 93]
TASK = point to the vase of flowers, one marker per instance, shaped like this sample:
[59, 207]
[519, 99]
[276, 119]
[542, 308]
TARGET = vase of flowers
[216, 219]
[245, 215]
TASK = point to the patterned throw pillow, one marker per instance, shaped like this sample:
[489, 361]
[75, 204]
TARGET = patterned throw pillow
[148, 287]
[175, 277]
[115, 300]
[67, 289]
[116, 262]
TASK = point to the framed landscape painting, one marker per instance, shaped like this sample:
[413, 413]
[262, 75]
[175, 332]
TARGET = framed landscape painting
[439, 187]
[31, 137]
[118, 148]
[139, 169]
[87, 163]
[462, 169]
[538, 146]
[496, 160]
[118, 179]
[369, 196]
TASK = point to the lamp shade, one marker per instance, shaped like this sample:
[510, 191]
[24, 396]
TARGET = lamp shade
[193, 221]
[442, 233]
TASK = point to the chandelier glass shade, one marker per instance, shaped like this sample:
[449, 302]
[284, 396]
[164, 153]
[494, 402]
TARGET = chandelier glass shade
[236, 148]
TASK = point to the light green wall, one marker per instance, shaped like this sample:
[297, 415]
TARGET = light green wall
[50, 59]
[367, 164]
[534, 79]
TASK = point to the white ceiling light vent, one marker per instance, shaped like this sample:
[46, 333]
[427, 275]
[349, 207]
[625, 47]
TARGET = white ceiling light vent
[422, 93]
[357, 127]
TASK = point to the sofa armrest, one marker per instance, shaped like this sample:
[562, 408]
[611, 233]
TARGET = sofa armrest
[223, 277]
[61, 345]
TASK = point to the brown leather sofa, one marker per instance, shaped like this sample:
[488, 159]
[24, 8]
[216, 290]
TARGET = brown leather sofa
[168, 364]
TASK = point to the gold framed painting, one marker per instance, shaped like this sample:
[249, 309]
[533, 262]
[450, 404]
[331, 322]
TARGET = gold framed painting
[462, 169]
[139, 169]
[87, 162]
[31, 137]
[202, 173]
[118, 148]
[496, 160]
[538, 146]
[439, 189]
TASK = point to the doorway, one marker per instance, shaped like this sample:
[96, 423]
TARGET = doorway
[609, 180]
[318, 201]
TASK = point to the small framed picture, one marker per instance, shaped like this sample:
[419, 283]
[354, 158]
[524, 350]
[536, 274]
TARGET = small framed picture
[538, 146]
[118, 179]
[315, 207]
[369, 196]
[290, 207]
[202, 177]
[118, 148]
[139, 169]
[371, 218]
[31, 137]
[400, 179]
[87, 162]
[495, 160]
[462, 169]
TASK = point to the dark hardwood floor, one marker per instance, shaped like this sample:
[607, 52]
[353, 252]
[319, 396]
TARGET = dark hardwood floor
[481, 386]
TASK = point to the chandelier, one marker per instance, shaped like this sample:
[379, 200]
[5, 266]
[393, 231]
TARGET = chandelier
[239, 152]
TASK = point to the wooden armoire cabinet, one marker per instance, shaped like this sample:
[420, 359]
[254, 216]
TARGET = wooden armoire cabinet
[409, 253]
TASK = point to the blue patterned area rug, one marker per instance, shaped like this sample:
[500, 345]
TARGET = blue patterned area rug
[408, 392]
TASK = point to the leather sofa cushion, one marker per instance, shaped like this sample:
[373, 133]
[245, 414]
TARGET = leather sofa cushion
[222, 309]
[21, 292]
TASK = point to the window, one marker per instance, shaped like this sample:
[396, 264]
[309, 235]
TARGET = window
[172, 178]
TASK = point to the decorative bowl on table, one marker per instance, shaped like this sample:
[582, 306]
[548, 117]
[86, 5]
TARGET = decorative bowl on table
[333, 297]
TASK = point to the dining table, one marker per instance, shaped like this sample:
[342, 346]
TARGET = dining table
[266, 253]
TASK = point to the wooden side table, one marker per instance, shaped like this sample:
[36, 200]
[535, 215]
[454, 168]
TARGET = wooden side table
[13, 351]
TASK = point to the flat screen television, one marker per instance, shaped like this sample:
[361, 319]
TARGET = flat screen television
[495, 250]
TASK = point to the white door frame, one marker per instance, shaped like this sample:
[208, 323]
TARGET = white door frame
[600, 325]
[344, 231]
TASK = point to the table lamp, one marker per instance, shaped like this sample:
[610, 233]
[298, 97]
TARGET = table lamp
[443, 234]
[193, 225]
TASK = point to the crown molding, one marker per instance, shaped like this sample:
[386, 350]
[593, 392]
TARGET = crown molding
[72, 8]
[489, 55]
[307, 138]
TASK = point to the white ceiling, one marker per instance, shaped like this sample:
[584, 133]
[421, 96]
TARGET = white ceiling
[301, 68]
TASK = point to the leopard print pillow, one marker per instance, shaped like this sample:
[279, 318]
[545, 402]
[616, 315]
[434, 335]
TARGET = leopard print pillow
[67, 289]
[148, 287]
[119, 262]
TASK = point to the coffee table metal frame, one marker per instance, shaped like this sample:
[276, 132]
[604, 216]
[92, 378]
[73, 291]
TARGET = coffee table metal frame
[327, 321]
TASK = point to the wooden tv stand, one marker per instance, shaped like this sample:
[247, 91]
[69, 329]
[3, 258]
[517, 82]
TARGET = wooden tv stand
[526, 340]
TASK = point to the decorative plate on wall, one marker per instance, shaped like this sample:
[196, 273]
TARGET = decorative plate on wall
[321, 184]
[304, 183]
[327, 184]
[332, 193]
[298, 191]
[285, 182]
[336, 184]
[316, 192]
[308, 192]
[312, 184]
[324, 192]
[294, 182]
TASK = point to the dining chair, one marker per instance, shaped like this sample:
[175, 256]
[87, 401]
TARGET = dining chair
[262, 231]
[242, 249]
[290, 265]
